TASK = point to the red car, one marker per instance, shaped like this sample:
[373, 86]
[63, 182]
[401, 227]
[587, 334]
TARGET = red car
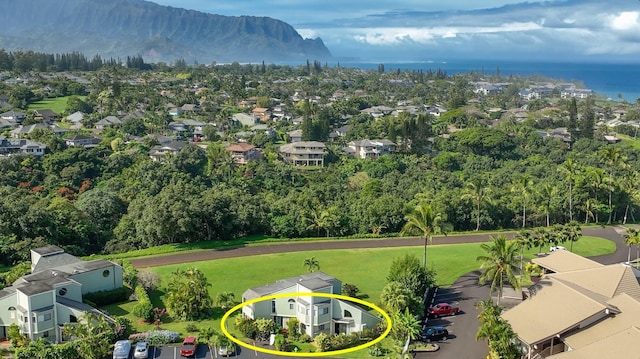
[189, 346]
[442, 309]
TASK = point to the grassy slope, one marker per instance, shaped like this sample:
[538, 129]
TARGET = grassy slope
[57, 105]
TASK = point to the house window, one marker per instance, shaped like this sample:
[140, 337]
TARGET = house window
[44, 317]
[106, 273]
[273, 306]
[347, 314]
[73, 319]
[62, 291]
[324, 311]
[291, 301]
[45, 334]
[321, 327]
[26, 319]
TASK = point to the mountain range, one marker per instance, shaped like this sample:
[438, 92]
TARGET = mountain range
[121, 28]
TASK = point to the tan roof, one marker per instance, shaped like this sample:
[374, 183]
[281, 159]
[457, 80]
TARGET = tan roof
[564, 261]
[554, 307]
[628, 316]
[240, 147]
[608, 281]
[618, 345]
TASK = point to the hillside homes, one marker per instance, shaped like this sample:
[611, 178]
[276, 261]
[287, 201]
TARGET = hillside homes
[40, 303]
[316, 314]
[580, 309]
[304, 153]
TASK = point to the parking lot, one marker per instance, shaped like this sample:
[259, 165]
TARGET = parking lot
[173, 352]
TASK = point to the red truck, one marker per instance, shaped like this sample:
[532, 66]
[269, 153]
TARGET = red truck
[189, 346]
[442, 309]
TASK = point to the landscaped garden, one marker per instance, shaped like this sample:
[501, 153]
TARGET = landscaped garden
[365, 268]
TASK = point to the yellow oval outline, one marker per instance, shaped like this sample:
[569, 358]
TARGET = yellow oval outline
[302, 354]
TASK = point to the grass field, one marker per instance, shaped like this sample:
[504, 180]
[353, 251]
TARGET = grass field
[57, 105]
[366, 268]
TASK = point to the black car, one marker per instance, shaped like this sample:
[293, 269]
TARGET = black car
[435, 334]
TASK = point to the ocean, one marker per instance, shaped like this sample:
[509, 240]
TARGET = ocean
[618, 81]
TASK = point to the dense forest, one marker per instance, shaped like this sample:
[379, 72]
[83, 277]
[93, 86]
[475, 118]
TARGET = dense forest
[481, 171]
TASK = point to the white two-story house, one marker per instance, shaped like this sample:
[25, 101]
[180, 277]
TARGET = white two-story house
[40, 303]
[316, 314]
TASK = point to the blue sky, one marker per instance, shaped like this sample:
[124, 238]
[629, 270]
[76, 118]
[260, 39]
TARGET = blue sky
[430, 30]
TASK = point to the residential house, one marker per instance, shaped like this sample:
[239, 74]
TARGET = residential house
[46, 115]
[244, 119]
[377, 111]
[242, 152]
[561, 133]
[7, 123]
[316, 314]
[190, 108]
[486, 88]
[371, 149]
[340, 132]
[160, 152]
[22, 131]
[295, 136]
[76, 119]
[82, 141]
[261, 113]
[581, 309]
[175, 111]
[304, 153]
[4, 101]
[15, 116]
[109, 121]
[9, 147]
[40, 303]
[194, 126]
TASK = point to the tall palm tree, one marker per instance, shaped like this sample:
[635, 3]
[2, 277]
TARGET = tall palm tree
[547, 193]
[611, 156]
[225, 300]
[477, 191]
[526, 241]
[628, 184]
[631, 237]
[425, 221]
[522, 187]
[570, 169]
[312, 264]
[572, 233]
[501, 262]
[597, 181]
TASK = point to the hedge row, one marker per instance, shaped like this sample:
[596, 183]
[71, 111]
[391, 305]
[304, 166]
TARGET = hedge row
[143, 309]
[105, 297]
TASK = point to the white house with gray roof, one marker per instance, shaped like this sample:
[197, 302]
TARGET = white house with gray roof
[40, 303]
[316, 314]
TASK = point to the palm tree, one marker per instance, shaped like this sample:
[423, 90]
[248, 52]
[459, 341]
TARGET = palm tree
[572, 233]
[596, 180]
[526, 241]
[405, 325]
[501, 262]
[547, 193]
[225, 300]
[570, 169]
[522, 187]
[590, 209]
[477, 191]
[628, 185]
[631, 237]
[312, 264]
[611, 156]
[425, 221]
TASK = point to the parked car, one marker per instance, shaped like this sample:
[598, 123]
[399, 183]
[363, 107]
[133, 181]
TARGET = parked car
[189, 346]
[557, 248]
[121, 349]
[141, 350]
[442, 309]
[434, 334]
[225, 351]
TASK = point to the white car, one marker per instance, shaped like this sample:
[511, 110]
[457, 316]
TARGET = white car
[141, 350]
[557, 248]
[121, 349]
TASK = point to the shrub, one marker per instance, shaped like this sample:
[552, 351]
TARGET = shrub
[350, 290]
[122, 328]
[279, 342]
[156, 337]
[293, 327]
[143, 309]
[322, 342]
[191, 328]
[533, 269]
[305, 338]
[149, 280]
[105, 297]
[246, 326]
[129, 274]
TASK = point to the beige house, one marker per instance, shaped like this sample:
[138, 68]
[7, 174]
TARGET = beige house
[581, 309]
[40, 303]
[242, 152]
[304, 153]
[370, 149]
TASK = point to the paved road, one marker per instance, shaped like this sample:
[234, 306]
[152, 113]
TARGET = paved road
[465, 292]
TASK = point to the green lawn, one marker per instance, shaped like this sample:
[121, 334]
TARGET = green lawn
[57, 105]
[366, 268]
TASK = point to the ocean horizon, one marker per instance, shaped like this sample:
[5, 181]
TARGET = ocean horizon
[617, 81]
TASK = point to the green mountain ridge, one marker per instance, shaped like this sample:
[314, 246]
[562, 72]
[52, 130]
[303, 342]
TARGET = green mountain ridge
[121, 28]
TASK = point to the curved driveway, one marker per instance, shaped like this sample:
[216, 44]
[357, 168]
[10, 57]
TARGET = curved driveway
[284, 247]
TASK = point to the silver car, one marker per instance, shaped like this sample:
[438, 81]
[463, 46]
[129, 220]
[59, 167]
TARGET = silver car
[121, 349]
[141, 351]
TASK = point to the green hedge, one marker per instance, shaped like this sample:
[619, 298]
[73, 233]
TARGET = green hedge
[105, 297]
[143, 309]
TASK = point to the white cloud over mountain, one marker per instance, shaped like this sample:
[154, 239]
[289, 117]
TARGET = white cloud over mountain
[420, 29]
